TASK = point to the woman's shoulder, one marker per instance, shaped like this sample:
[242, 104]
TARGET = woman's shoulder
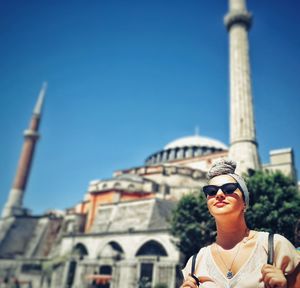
[285, 254]
[200, 256]
[278, 239]
[202, 251]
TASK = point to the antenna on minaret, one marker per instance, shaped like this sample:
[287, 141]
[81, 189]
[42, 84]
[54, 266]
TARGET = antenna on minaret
[14, 204]
[196, 130]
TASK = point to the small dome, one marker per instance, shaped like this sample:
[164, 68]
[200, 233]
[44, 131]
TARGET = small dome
[196, 141]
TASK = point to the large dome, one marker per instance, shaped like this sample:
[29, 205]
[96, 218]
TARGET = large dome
[186, 147]
[196, 141]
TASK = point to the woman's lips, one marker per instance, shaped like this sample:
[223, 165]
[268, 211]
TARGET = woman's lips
[220, 204]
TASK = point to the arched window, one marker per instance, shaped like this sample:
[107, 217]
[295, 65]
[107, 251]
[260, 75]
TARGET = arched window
[80, 250]
[117, 185]
[206, 150]
[131, 187]
[172, 154]
[112, 250]
[151, 248]
[116, 246]
[147, 268]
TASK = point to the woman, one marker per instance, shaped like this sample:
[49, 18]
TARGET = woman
[238, 257]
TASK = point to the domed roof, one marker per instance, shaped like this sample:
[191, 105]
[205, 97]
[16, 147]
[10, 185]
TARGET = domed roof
[197, 141]
[185, 148]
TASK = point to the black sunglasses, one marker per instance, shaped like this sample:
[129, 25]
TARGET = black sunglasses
[227, 188]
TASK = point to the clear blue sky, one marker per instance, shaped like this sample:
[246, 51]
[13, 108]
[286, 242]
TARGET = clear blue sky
[127, 77]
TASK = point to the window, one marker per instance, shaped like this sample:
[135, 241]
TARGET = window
[131, 187]
[105, 269]
[152, 248]
[146, 274]
[71, 273]
[117, 185]
[80, 250]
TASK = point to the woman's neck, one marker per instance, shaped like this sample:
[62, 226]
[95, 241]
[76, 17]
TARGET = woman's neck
[230, 233]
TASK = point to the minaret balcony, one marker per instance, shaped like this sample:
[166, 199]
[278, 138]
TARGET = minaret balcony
[238, 17]
[31, 134]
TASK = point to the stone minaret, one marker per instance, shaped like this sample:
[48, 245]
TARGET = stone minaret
[14, 204]
[243, 144]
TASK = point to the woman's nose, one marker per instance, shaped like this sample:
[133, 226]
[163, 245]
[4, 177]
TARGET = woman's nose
[220, 194]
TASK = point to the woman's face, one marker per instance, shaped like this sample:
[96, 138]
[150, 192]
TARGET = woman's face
[222, 203]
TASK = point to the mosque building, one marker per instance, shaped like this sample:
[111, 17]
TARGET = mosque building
[118, 235]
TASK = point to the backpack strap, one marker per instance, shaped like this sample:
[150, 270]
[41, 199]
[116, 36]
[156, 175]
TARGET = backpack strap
[193, 263]
[193, 270]
[270, 249]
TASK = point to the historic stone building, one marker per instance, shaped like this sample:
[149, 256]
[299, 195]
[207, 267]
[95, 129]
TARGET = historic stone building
[118, 236]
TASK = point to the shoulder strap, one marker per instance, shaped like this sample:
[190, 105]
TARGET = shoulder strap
[270, 249]
[193, 264]
[193, 270]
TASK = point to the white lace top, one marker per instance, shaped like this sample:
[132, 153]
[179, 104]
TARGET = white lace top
[249, 274]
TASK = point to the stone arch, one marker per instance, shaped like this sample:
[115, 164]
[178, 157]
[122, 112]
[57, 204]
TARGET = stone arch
[180, 153]
[153, 159]
[117, 185]
[111, 250]
[80, 250]
[185, 151]
[148, 257]
[158, 157]
[198, 151]
[165, 155]
[151, 248]
[176, 153]
[131, 187]
[172, 154]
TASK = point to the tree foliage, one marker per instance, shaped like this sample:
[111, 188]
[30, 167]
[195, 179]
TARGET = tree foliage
[274, 203]
[192, 224]
[274, 207]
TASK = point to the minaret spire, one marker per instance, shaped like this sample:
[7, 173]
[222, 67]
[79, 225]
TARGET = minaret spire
[243, 144]
[14, 204]
[41, 98]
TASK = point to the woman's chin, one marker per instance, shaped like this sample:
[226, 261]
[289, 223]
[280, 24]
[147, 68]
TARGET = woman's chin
[221, 210]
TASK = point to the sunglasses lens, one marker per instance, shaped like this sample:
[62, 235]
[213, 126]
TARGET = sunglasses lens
[210, 190]
[229, 188]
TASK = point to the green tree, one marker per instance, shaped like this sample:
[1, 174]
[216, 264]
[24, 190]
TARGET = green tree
[274, 203]
[192, 224]
[274, 207]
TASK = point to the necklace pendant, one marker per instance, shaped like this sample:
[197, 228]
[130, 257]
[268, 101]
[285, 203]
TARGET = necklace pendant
[229, 275]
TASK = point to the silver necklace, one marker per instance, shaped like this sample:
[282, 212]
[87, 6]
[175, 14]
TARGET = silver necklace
[229, 273]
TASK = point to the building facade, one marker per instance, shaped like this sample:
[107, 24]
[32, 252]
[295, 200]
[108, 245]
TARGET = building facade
[118, 235]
